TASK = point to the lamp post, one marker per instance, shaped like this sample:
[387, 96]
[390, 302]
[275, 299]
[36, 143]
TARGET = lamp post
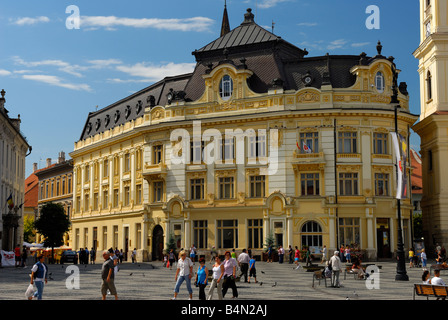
[401, 266]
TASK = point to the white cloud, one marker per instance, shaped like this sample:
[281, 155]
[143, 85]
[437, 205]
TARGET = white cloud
[266, 4]
[152, 72]
[104, 63]
[61, 65]
[30, 21]
[360, 44]
[337, 44]
[111, 23]
[56, 81]
[4, 72]
[307, 24]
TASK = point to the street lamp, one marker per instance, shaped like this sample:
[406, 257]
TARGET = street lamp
[401, 266]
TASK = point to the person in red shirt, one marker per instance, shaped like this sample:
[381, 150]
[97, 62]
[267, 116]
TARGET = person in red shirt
[297, 258]
[17, 255]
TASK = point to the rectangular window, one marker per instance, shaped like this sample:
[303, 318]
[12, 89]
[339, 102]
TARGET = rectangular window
[86, 202]
[127, 195]
[69, 185]
[106, 168]
[227, 234]
[138, 194]
[380, 143]
[116, 197]
[349, 231]
[255, 233]
[381, 184]
[257, 186]
[105, 199]
[197, 189]
[311, 140]
[115, 244]
[95, 201]
[226, 188]
[196, 151]
[157, 154]
[157, 191]
[309, 184]
[127, 162]
[105, 238]
[347, 142]
[348, 184]
[63, 185]
[226, 149]
[257, 145]
[200, 234]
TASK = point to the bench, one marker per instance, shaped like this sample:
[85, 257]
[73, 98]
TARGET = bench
[429, 290]
[355, 274]
[317, 275]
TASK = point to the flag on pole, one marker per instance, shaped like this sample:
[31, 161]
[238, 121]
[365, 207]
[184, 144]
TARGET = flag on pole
[10, 202]
[306, 148]
[400, 147]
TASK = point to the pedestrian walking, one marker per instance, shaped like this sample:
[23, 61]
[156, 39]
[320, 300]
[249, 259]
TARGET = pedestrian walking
[324, 254]
[92, 256]
[184, 272]
[291, 255]
[108, 276]
[308, 256]
[229, 275]
[24, 256]
[171, 258]
[252, 270]
[270, 252]
[243, 260]
[192, 253]
[297, 258]
[281, 254]
[134, 255]
[348, 255]
[424, 259]
[17, 255]
[335, 267]
[411, 257]
[218, 273]
[39, 275]
[201, 278]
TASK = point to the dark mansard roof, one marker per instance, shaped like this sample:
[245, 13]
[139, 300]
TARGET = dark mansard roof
[268, 56]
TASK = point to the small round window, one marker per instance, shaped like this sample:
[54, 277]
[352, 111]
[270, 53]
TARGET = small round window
[379, 82]
[226, 88]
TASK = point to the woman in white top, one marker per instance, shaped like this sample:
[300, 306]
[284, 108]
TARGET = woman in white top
[218, 273]
[183, 273]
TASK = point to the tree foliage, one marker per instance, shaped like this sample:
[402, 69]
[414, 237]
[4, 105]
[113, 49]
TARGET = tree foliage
[28, 229]
[53, 223]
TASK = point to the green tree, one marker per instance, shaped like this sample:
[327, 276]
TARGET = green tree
[418, 226]
[269, 242]
[53, 223]
[28, 229]
[171, 244]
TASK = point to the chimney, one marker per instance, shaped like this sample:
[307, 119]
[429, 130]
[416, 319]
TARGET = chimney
[61, 157]
[34, 166]
[48, 162]
[2, 100]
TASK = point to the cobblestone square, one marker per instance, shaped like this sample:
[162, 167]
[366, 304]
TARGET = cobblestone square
[152, 281]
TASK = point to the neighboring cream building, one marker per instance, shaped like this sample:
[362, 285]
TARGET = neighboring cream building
[13, 149]
[433, 125]
[129, 192]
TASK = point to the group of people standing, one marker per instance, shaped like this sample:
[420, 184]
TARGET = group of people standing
[223, 274]
[85, 254]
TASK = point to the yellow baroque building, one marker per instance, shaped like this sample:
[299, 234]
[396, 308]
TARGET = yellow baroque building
[258, 141]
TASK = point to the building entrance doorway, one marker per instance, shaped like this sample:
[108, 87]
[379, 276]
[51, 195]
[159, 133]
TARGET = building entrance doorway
[157, 243]
[383, 238]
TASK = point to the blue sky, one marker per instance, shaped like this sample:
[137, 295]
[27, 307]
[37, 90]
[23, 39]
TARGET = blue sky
[54, 76]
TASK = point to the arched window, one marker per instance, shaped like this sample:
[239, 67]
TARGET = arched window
[429, 86]
[379, 82]
[226, 87]
[312, 234]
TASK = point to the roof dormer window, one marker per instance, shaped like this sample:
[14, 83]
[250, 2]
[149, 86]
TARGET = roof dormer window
[226, 88]
[379, 82]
